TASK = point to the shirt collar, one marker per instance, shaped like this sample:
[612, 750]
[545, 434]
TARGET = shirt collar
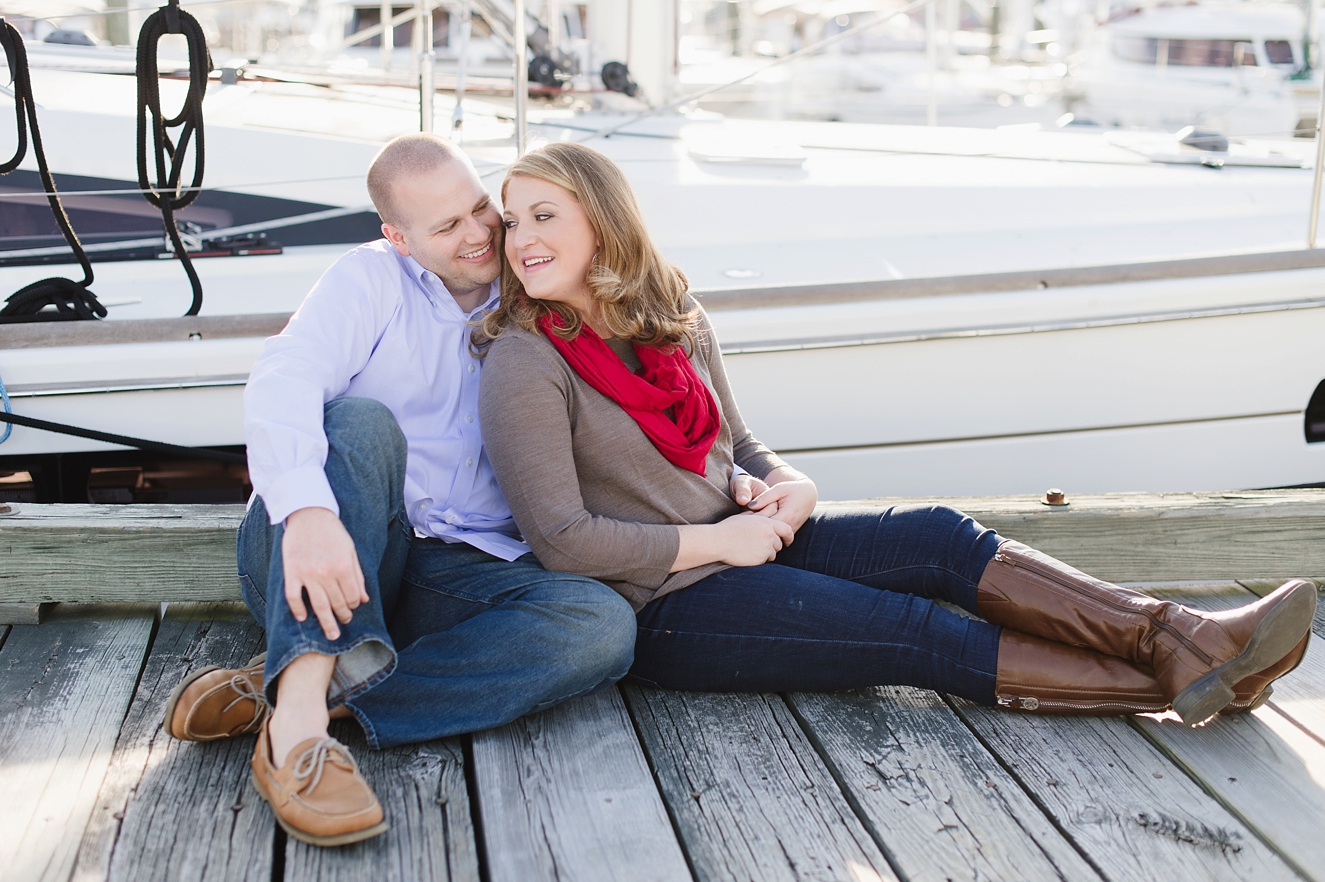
[437, 292]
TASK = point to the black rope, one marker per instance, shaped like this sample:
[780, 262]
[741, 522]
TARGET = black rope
[125, 440]
[166, 193]
[72, 300]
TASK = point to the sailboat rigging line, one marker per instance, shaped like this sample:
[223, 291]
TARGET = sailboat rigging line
[169, 156]
[125, 440]
[71, 299]
[222, 188]
[799, 53]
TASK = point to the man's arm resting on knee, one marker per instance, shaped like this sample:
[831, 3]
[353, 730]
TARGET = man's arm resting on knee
[319, 558]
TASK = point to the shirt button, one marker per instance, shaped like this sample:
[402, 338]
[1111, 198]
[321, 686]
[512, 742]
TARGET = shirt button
[469, 418]
[471, 369]
[469, 462]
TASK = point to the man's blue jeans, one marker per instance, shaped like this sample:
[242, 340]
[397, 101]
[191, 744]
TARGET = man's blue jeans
[452, 639]
[849, 604]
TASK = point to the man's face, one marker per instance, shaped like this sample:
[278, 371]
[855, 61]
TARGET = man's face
[449, 224]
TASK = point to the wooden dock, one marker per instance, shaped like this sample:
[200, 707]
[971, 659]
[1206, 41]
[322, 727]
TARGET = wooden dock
[642, 784]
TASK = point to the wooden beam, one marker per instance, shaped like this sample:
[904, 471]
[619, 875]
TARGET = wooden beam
[111, 553]
[1160, 537]
[124, 553]
[24, 613]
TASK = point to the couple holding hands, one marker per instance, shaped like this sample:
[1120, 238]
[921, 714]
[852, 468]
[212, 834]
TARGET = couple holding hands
[613, 517]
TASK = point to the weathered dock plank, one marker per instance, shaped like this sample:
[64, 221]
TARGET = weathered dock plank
[751, 798]
[1263, 766]
[1265, 769]
[1122, 802]
[566, 794]
[175, 810]
[24, 613]
[184, 552]
[423, 793]
[65, 688]
[940, 804]
[156, 553]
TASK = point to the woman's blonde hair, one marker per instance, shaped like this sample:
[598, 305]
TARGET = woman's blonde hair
[642, 295]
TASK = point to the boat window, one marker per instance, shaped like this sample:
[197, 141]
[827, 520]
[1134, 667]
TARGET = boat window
[1208, 53]
[1279, 51]
[1140, 49]
[402, 34]
[1315, 417]
[101, 211]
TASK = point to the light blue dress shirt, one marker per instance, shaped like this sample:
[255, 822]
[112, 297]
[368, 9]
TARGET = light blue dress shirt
[380, 326]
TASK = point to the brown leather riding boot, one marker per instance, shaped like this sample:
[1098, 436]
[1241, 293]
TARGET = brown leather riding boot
[1040, 676]
[1255, 690]
[1197, 657]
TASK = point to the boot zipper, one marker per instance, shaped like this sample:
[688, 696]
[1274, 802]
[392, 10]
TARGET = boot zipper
[1163, 626]
[1030, 703]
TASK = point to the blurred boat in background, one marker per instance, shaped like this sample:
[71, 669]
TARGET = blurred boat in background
[906, 310]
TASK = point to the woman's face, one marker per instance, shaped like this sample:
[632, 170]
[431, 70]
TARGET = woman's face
[550, 243]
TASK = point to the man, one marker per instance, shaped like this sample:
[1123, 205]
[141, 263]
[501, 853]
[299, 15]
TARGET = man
[378, 550]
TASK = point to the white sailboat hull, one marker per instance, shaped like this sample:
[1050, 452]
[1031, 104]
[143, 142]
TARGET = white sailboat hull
[1185, 383]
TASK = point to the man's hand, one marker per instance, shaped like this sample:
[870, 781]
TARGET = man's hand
[320, 558]
[745, 487]
[791, 495]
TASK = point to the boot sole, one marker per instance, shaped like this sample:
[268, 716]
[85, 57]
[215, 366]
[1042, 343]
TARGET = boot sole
[189, 680]
[1275, 636]
[309, 838]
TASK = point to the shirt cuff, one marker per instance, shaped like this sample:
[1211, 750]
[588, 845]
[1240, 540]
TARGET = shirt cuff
[305, 487]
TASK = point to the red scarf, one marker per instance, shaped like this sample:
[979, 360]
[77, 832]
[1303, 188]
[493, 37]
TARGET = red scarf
[666, 380]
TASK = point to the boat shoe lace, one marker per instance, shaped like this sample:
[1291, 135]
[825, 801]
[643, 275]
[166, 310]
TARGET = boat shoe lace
[246, 690]
[312, 761]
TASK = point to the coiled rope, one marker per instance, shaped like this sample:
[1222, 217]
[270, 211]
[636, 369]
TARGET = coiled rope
[71, 299]
[166, 193]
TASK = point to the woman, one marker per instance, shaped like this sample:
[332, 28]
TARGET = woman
[613, 433]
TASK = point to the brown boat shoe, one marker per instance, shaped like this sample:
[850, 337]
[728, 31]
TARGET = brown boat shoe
[213, 702]
[318, 796]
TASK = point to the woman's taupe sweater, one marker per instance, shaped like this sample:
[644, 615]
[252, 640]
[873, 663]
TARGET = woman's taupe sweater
[590, 492]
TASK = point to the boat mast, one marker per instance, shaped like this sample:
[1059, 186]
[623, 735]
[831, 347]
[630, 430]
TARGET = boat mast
[521, 80]
[427, 68]
[1315, 177]
[462, 67]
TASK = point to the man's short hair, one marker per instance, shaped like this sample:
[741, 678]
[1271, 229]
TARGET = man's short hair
[402, 157]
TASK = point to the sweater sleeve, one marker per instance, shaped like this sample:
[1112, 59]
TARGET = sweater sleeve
[525, 406]
[747, 451]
